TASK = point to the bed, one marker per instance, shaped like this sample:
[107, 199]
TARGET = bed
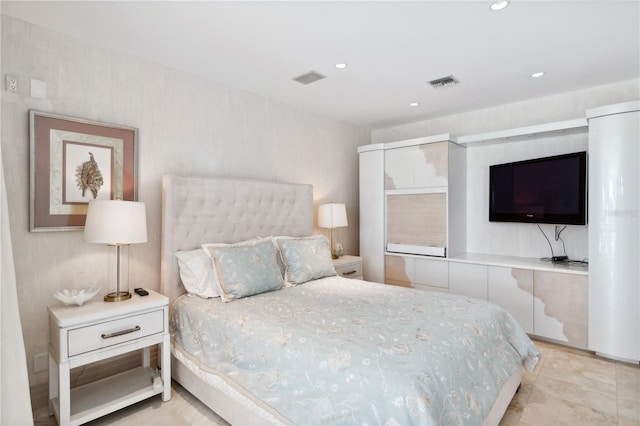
[328, 350]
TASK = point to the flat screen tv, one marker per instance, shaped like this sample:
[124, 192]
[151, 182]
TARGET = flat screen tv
[543, 190]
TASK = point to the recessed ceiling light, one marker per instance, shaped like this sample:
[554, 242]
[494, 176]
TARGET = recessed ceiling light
[341, 66]
[414, 104]
[537, 74]
[499, 5]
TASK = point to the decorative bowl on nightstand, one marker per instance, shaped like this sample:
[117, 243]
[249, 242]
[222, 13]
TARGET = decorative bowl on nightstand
[76, 296]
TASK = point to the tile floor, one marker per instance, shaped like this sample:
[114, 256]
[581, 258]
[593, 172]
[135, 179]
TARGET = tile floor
[572, 387]
[568, 387]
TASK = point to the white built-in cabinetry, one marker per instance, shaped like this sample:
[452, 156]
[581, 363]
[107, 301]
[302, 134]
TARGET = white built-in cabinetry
[421, 180]
[425, 196]
[548, 300]
[614, 230]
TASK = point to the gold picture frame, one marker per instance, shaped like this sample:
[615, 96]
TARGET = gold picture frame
[73, 161]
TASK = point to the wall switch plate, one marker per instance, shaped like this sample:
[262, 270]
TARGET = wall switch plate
[11, 82]
[38, 89]
[40, 362]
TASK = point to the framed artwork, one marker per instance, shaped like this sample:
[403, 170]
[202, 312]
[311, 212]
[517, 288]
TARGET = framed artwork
[74, 161]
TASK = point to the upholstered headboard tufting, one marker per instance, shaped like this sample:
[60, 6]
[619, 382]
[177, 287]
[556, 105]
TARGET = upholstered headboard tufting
[198, 210]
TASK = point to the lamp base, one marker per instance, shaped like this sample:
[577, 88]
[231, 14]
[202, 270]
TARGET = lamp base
[117, 296]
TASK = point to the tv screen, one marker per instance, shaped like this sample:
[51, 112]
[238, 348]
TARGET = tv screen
[543, 190]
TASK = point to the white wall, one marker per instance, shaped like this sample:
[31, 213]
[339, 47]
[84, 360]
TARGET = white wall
[565, 106]
[516, 239]
[512, 238]
[187, 126]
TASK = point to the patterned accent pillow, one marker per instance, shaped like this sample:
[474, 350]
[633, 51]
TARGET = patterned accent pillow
[245, 269]
[306, 258]
[196, 272]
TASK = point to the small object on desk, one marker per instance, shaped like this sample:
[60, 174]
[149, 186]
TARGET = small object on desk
[141, 292]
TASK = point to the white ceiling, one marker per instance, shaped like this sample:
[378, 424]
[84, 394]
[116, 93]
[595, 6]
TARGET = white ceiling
[392, 48]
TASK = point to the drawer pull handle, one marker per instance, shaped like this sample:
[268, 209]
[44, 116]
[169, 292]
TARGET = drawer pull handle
[349, 273]
[120, 333]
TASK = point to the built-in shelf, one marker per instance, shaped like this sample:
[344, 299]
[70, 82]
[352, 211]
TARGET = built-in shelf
[507, 262]
[523, 133]
[521, 262]
[113, 393]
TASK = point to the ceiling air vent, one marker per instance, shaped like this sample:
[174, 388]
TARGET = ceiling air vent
[310, 77]
[444, 81]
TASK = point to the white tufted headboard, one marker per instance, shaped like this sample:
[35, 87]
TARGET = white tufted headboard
[198, 210]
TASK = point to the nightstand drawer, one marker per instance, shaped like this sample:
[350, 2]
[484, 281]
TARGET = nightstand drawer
[109, 333]
[353, 270]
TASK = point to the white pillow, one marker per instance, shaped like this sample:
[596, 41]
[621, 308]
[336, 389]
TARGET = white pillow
[196, 272]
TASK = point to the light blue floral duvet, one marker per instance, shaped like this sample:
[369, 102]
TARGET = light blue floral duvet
[339, 351]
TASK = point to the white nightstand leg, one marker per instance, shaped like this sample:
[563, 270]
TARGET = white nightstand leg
[146, 357]
[53, 382]
[64, 393]
[166, 368]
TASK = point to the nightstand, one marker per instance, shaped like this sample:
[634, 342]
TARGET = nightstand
[349, 266]
[92, 332]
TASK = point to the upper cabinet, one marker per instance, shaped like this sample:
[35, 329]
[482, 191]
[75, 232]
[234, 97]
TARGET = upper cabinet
[425, 196]
[417, 166]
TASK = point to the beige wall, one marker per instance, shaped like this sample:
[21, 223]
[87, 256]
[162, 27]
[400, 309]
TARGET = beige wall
[187, 126]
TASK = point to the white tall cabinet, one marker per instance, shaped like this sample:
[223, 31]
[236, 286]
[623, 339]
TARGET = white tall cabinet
[396, 177]
[614, 230]
[372, 211]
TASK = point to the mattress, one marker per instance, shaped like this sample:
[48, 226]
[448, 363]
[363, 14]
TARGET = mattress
[340, 351]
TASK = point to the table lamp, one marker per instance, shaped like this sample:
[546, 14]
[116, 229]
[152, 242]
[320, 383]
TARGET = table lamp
[116, 223]
[332, 216]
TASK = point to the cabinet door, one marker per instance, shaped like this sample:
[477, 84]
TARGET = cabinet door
[561, 306]
[513, 290]
[398, 167]
[614, 230]
[399, 270]
[372, 214]
[468, 279]
[431, 165]
[432, 272]
[418, 166]
[417, 219]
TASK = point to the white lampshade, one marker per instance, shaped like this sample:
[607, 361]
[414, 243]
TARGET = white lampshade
[115, 222]
[332, 215]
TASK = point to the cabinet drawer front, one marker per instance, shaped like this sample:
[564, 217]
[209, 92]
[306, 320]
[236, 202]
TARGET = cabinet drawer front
[468, 279]
[353, 270]
[398, 270]
[109, 333]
